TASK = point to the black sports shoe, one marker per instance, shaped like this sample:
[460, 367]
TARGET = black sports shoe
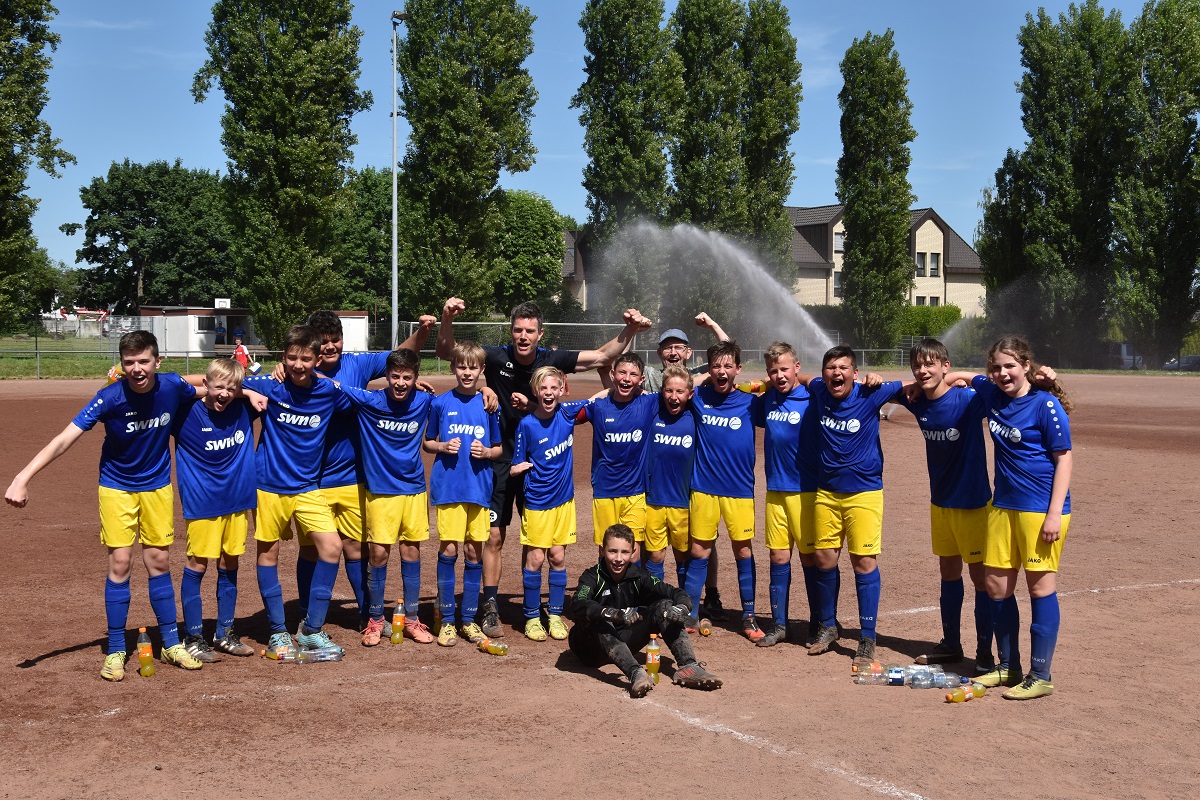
[711, 606]
[640, 683]
[865, 653]
[695, 676]
[491, 620]
[941, 653]
[774, 636]
[826, 636]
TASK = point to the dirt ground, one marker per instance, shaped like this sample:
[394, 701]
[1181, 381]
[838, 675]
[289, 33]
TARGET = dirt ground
[424, 721]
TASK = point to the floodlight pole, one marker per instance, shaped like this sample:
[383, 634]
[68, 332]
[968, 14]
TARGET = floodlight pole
[397, 18]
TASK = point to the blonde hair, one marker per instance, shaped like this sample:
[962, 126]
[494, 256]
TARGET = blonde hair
[226, 369]
[777, 350]
[542, 374]
[676, 371]
[468, 354]
[1019, 348]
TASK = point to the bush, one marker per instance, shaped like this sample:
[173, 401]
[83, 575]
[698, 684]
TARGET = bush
[928, 320]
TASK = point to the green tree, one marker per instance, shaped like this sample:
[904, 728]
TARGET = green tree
[31, 290]
[469, 99]
[872, 183]
[772, 115]
[289, 74]
[364, 240]
[156, 234]
[530, 252]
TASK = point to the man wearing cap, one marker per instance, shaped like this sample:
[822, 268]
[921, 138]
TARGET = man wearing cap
[674, 348]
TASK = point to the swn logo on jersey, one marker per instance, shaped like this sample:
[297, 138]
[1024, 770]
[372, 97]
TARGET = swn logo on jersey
[841, 425]
[560, 448]
[300, 420]
[229, 441]
[673, 441]
[141, 425]
[397, 426]
[623, 438]
[948, 435]
[469, 430]
[779, 415]
[1004, 432]
[733, 423]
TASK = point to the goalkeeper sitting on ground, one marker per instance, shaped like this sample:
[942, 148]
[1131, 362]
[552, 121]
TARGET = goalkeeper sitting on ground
[616, 608]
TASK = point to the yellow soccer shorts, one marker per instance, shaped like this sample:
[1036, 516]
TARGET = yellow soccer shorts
[1014, 540]
[959, 532]
[630, 511]
[665, 526]
[209, 538]
[127, 517]
[348, 504]
[397, 517]
[272, 521]
[790, 520]
[551, 527]
[853, 518]
[707, 511]
[459, 522]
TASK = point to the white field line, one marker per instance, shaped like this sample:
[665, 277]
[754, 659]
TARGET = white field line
[1132, 587]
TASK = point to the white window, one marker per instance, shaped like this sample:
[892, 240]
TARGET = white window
[920, 265]
[935, 265]
[920, 299]
[837, 284]
[839, 241]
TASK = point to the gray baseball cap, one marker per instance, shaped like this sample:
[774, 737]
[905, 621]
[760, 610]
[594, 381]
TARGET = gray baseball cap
[674, 333]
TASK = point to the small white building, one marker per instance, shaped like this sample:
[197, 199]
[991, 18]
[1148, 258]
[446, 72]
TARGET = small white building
[196, 331]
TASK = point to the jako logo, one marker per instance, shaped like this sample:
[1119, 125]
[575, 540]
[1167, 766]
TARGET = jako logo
[1004, 432]
[674, 441]
[229, 441]
[560, 448]
[948, 435]
[303, 420]
[619, 438]
[158, 422]
[399, 427]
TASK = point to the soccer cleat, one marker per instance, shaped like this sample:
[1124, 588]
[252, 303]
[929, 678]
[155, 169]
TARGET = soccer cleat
[711, 605]
[491, 620]
[534, 630]
[865, 653]
[1000, 676]
[417, 631]
[447, 637]
[826, 636]
[679, 616]
[695, 676]
[1029, 689]
[279, 644]
[114, 666]
[317, 640]
[373, 633]
[472, 633]
[640, 683]
[180, 657]
[776, 635]
[232, 645]
[558, 628]
[200, 650]
[751, 629]
[942, 653]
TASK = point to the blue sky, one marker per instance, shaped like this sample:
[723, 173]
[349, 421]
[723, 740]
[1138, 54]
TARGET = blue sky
[121, 78]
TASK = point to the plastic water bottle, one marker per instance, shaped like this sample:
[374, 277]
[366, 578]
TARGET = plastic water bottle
[145, 654]
[398, 623]
[965, 693]
[653, 654]
[302, 656]
[866, 678]
[494, 648]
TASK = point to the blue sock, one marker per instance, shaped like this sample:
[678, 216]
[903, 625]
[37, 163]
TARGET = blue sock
[304, 577]
[693, 582]
[531, 580]
[810, 591]
[827, 582]
[747, 583]
[867, 586]
[356, 573]
[558, 590]
[489, 592]
[950, 602]
[162, 600]
[472, 578]
[226, 600]
[410, 573]
[1043, 634]
[983, 628]
[681, 574]
[376, 590]
[189, 598]
[1006, 619]
[272, 597]
[780, 589]
[322, 592]
[116, 609]
[837, 592]
[656, 568]
[445, 584]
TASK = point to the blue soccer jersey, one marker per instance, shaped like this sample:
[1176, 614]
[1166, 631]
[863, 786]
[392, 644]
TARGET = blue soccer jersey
[136, 454]
[789, 439]
[954, 452]
[288, 458]
[671, 458]
[619, 443]
[391, 433]
[548, 444]
[724, 463]
[457, 477]
[851, 458]
[340, 463]
[1025, 431]
[214, 460]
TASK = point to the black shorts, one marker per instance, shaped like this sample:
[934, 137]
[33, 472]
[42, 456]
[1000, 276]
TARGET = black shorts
[506, 492]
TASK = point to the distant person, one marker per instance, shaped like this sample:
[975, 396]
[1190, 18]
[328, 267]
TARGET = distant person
[241, 353]
[220, 332]
[674, 348]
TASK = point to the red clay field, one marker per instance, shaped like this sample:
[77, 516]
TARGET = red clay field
[423, 721]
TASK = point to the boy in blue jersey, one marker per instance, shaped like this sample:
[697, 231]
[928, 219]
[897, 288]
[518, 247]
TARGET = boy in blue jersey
[214, 467]
[287, 466]
[136, 501]
[788, 419]
[465, 438]
[544, 449]
[670, 456]
[391, 422]
[723, 478]
[849, 502]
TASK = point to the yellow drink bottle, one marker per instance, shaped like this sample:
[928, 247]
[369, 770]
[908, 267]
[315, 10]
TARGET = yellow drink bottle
[494, 648]
[398, 623]
[145, 654]
[653, 654]
[965, 693]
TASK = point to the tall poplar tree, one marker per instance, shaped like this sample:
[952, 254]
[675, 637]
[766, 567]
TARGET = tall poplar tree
[872, 183]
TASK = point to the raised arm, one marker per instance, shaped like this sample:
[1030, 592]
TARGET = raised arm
[445, 339]
[705, 321]
[594, 359]
[420, 335]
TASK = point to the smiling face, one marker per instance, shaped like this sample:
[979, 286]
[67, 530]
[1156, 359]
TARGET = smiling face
[626, 378]
[617, 555]
[526, 333]
[674, 351]
[331, 349]
[221, 391]
[1008, 372]
[299, 363]
[139, 369]
[930, 374]
[675, 395]
[722, 373]
[548, 392]
[400, 383]
[783, 372]
[839, 375]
